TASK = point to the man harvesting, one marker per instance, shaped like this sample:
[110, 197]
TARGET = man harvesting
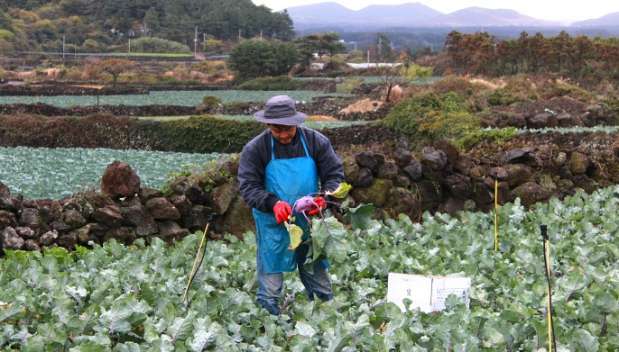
[281, 165]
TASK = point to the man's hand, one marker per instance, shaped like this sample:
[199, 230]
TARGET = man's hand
[282, 211]
[321, 204]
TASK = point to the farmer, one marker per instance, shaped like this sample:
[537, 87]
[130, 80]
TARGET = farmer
[279, 166]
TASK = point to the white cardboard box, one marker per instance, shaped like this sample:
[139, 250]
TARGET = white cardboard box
[427, 293]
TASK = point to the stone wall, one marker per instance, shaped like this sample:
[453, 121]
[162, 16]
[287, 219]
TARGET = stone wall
[437, 178]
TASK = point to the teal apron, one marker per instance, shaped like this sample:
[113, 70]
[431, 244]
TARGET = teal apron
[289, 179]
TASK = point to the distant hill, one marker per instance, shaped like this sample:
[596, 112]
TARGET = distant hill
[610, 20]
[481, 17]
[94, 25]
[406, 15]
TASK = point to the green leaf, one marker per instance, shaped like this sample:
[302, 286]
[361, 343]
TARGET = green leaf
[360, 216]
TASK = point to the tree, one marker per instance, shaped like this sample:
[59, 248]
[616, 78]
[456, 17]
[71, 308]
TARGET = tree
[115, 67]
[319, 43]
[256, 58]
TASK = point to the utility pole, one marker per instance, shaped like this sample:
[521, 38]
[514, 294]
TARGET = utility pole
[63, 46]
[129, 45]
[261, 34]
[239, 34]
[195, 42]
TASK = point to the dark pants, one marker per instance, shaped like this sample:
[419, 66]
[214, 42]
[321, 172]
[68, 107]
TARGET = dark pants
[317, 283]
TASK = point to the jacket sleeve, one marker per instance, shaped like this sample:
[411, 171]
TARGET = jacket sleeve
[251, 175]
[330, 167]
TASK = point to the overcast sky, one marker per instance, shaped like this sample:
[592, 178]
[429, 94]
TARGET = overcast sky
[554, 10]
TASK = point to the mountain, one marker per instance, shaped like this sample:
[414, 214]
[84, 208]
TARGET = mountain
[405, 15]
[333, 14]
[477, 16]
[326, 13]
[610, 20]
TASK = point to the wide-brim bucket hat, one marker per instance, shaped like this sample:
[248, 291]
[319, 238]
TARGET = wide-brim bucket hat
[280, 110]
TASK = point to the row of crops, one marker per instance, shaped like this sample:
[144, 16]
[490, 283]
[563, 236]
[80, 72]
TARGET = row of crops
[172, 97]
[128, 298]
[244, 118]
[56, 173]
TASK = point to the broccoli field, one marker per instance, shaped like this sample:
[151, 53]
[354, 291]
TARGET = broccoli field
[128, 298]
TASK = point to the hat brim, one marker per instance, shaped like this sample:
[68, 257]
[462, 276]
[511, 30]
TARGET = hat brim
[294, 120]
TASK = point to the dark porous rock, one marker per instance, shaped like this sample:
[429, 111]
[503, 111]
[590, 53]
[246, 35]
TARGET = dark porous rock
[109, 216]
[351, 169]
[518, 174]
[68, 240]
[433, 158]
[518, 155]
[238, 218]
[182, 203]
[196, 195]
[30, 217]
[60, 226]
[388, 170]
[579, 163]
[478, 172]
[120, 180]
[430, 194]
[124, 235]
[25, 232]
[5, 192]
[364, 178]
[567, 120]
[542, 120]
[452, 206]
[84, 234]
[370, 160]
[482, 195]
[136, 215]
[93, 200]
[73, 218]
[402, 157]
[414, 170]
[147, 194]
[31, 245]
[560, 159]
[450, 150]
[7, 218]
[10, 239]
[459, 186]
[223, 196]
[531, 193]
[498, 173]
[464, 165]
[586, 183]
[161, 209]
[48, 238]
[180, 185]
[170, 230]
[376, 194]
[403, 181]
[199, 217]
[30, 203]
[10, 204]
[55, 211]
[403, 201]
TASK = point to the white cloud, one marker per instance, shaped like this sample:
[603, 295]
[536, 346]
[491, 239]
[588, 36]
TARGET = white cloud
[554, 10]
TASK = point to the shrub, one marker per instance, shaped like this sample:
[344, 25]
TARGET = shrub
[414, 72]
[158, 45]
[199, 134]
[210, 102]
[349, 85]
[270, 83]
[472, 138]
[257, 58]
[501, 97]
[433, 116]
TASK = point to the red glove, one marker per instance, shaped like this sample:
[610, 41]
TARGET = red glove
[321, 204]
[282, 211]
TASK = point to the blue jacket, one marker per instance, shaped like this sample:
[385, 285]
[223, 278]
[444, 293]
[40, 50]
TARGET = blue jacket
[257, 154]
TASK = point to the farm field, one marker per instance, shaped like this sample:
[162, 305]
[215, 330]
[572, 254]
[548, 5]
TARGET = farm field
[35, 172]
[310, 124]
[178, 98]
[128, 298]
